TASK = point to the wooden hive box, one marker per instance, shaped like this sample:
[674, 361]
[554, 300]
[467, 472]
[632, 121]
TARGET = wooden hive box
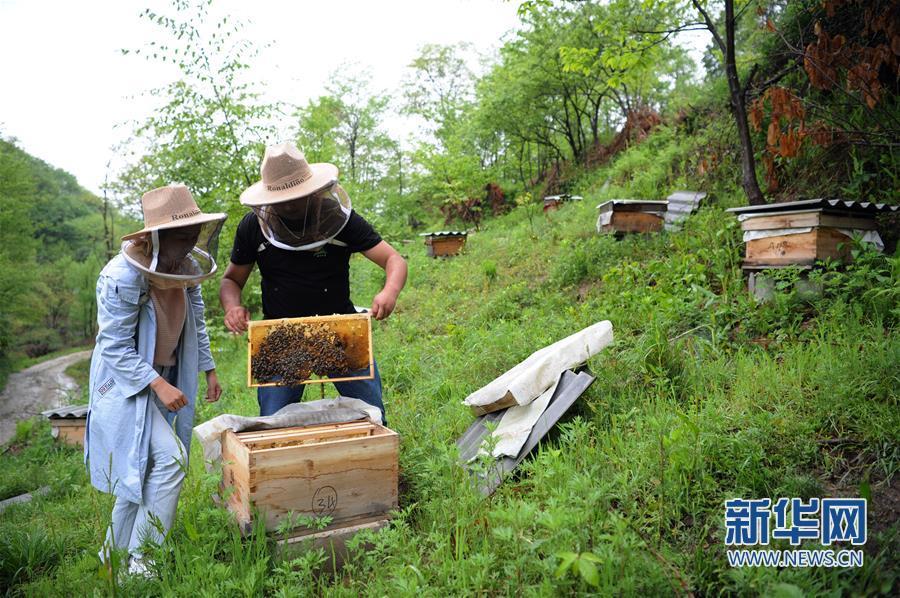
[445, 244]
[800, 233]
[551, 203]
[348, 471]
[354, 330]
[631, 216]
[70, 430]
[68, 423]
[800, 239]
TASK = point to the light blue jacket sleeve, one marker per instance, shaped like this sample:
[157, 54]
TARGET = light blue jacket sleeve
[195, 298]
[118, 306]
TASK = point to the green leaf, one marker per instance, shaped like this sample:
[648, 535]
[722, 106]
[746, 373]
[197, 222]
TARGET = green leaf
[191, 531]
[588, 571]
[567, 559]
[865, 491]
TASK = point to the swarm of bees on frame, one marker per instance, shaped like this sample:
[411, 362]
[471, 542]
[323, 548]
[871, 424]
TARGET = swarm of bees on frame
[292, 353]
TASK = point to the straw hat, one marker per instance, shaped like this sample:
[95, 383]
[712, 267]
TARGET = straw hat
[286, 175]
[171, 206]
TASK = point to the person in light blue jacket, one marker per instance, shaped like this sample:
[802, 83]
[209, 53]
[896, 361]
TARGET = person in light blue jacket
[151, 346]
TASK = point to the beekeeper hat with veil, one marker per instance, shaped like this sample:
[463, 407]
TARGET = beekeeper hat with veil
[177, 246]
[300, 206]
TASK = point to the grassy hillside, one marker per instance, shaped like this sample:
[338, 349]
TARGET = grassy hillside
[704, 396]
[54, 244]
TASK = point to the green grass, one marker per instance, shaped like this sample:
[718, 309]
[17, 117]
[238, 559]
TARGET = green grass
[704, 396]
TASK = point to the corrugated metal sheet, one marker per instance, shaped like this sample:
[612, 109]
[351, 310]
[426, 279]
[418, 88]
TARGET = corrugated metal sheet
[835, 205]
[570, 387]
[71, 411]
[681, 205]
[446, 233]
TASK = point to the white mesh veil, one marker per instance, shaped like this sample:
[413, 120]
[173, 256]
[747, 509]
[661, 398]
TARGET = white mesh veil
[306, 222]
[170, 257]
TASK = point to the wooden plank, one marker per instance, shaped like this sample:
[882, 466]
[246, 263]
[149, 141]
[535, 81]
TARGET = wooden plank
[352, 526]
[69, 431]
[803, 220]
[354, 330]
[447, 246]
[783, 249]
[343, 478]
[833, 244]
[801, 249]
[634, 222]
[307, 472]
[297, 438]
[257, 434]
[72, 435]
[333, 541]
[503, 403]
[236, 476]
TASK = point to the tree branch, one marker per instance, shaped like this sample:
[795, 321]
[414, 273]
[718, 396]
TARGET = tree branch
[710, 25]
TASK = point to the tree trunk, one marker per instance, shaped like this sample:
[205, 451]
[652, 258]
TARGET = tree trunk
[739, 109]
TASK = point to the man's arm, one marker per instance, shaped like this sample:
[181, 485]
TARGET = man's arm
[236, 315]
[395, 278]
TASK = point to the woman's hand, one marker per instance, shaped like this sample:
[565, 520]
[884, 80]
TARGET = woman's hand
[237, 318]
[170, 396]
[213, 389]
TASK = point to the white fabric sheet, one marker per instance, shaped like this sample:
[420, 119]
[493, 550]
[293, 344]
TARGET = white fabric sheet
[753, 235]
[529, 379]
[868, 236]
[516, 424]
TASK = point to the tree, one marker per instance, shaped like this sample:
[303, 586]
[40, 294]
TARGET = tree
[440, 86]
[737, 93]
[210, 129]
[344, 126]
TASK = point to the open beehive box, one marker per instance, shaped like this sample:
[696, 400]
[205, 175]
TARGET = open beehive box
[353, 330]
[348, 471]
[621, 216]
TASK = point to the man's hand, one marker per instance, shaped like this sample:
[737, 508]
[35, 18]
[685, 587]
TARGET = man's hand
[213, 388]
[237, 318]
[171, 397]
[395, 277]
[383, 304]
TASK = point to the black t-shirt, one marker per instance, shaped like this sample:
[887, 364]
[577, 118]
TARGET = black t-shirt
[304, 283]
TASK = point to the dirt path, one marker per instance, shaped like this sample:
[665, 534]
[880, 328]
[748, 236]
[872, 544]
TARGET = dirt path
[40, 387]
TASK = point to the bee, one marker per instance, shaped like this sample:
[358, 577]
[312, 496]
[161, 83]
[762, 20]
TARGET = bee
[293, 352]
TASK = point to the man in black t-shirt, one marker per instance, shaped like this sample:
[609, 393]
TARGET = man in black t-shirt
[301, 234]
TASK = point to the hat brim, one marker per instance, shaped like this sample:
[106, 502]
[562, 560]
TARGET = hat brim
[198, 219]
[323, 174]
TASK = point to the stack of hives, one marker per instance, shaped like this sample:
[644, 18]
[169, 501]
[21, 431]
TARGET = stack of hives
[802, 233]
[621, 216]
[347, 471]
[445, 243]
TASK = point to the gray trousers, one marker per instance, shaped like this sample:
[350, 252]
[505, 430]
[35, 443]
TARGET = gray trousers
[133, 523]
